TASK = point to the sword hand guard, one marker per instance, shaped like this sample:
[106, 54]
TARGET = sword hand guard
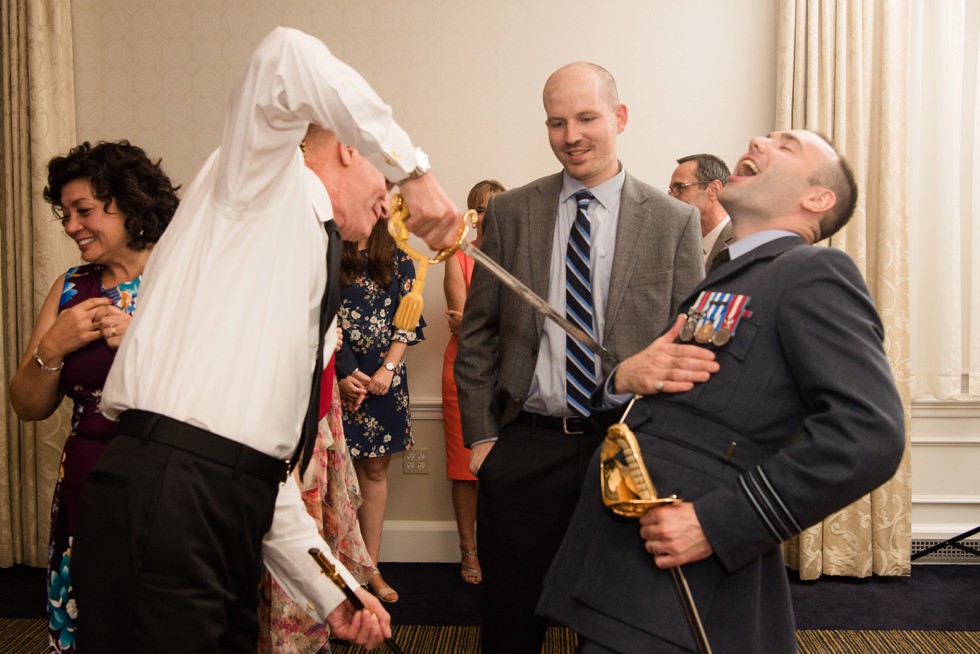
[410, 308]
[399, 232]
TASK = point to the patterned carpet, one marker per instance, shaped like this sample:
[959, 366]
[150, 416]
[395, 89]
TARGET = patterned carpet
[28, 636]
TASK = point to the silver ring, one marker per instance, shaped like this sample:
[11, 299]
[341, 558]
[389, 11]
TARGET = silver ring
[659, 386]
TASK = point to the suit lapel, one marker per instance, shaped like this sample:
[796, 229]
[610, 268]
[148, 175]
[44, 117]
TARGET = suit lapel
[724, 239]
[541, 217]
[633, 217]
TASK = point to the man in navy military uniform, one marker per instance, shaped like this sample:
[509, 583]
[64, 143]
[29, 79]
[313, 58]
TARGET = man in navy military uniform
[801, 419]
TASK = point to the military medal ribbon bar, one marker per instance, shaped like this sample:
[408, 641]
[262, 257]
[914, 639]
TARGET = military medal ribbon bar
[713, 317]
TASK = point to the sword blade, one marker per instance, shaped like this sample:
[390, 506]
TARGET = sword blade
[690, 611]
[538, 303]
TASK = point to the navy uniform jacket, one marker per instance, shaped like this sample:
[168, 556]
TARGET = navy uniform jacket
[805, 392]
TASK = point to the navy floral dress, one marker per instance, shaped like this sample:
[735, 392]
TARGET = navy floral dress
[81, 380]
[382, 425]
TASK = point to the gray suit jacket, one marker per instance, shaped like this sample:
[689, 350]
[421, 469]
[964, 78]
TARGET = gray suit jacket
[802, 419]
[658, 261]
[725, 239]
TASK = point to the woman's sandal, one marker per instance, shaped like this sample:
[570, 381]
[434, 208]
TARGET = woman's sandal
[470, 575]
[384, 592]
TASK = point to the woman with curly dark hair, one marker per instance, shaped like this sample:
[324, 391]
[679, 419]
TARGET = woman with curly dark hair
[114, 202]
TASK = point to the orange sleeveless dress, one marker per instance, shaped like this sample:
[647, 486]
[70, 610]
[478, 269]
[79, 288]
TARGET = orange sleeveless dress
[457, 455]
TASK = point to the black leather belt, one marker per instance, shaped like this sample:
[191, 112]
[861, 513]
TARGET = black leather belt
[236, 456]
[568, 425]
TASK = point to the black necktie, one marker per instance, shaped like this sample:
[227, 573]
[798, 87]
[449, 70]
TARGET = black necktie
[328, 309]
[724, 256]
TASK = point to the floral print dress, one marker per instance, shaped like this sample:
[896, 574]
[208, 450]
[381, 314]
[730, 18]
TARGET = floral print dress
[81, 380]
[382, 425]
[332, 496]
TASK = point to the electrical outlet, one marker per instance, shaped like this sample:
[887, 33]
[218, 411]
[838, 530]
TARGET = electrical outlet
[416, 461]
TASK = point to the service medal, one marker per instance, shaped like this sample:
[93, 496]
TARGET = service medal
[721, 337]
[704, 333]
[694, 315]
[687, 331]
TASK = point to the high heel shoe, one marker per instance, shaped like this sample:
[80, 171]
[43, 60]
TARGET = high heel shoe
[382, 590]
[470, 575]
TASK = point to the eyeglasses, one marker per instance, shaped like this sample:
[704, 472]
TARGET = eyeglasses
[677, 188]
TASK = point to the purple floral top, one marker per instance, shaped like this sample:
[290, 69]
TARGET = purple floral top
[86, 369]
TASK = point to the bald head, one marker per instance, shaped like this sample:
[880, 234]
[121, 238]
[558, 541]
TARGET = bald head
[317, 145]
[584, 118]
[582, 73]
[358, 191]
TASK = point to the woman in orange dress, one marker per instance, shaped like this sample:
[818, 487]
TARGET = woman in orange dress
[456, 284]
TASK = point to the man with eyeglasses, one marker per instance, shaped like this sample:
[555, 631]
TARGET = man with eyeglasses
[697, 180]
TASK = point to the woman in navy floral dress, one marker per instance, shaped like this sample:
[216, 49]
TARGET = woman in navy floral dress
[375, 275]
[114, 203]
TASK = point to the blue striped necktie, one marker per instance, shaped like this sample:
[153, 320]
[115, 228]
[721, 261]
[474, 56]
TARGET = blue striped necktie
[580, 373]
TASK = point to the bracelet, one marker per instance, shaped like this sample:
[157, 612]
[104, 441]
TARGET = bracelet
[45, 368]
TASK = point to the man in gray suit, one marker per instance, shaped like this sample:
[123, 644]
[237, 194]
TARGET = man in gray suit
[521, 404]
[801, 419]
[698, 180]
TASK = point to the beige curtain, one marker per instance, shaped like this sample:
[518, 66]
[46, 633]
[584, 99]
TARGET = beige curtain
[841, 70]
[38, 107]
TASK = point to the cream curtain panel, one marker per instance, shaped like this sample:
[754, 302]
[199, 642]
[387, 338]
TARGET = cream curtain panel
[841, 70]
[38, 108]
[944, 198]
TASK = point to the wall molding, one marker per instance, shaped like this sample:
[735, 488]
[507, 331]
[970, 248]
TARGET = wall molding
[427, 408]
[940, 531]
[430, 408]
[946, 499]
[946, 409]
[956, 440]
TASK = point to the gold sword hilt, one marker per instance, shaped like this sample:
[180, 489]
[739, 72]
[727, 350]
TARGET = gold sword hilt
[399, 231]
[410, 307]
[627, 490]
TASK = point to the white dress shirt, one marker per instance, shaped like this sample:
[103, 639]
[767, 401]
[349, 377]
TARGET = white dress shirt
[226, 335]
[547, 392]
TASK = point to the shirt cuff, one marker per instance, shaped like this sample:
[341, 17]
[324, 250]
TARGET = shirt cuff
[396, 162]
[611, 399]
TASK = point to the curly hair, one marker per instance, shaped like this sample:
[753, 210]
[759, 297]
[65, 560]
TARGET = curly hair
[122, 172]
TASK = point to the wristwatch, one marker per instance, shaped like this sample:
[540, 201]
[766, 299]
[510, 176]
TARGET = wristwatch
[422, 166]
[390, 367]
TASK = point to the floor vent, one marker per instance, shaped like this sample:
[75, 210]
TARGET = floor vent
[947, 553]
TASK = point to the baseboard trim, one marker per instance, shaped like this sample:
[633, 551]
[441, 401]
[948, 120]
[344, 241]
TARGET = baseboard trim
[419, 541]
